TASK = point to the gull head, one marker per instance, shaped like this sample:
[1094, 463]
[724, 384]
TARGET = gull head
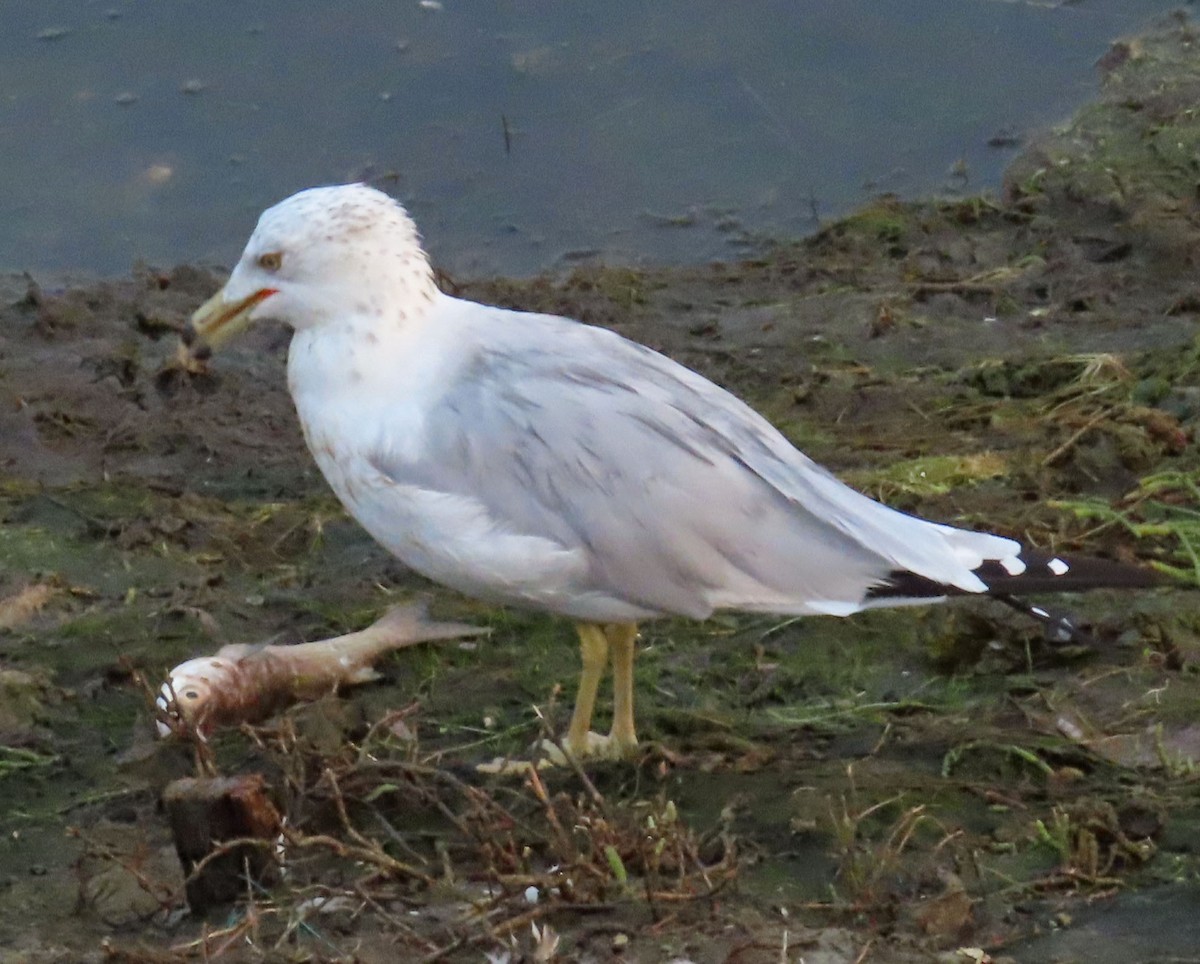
[319, 256]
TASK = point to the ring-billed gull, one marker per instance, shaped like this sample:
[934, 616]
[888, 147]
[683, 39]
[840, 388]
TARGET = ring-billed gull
[533, 460]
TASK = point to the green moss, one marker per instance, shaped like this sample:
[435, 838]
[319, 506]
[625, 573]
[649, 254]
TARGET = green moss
[886, 220]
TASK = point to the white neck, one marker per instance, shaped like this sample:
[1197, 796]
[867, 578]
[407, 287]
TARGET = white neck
[371, 370]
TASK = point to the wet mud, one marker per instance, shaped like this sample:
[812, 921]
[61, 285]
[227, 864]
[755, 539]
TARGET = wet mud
[939, 784]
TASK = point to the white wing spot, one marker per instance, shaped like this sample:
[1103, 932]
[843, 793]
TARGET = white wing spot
[1057, 566]
[1013, 565]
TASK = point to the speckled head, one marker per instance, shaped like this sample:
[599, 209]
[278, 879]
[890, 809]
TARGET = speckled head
[320, 256]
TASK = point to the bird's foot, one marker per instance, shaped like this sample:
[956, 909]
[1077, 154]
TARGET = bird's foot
[550, 753]
[596, 746]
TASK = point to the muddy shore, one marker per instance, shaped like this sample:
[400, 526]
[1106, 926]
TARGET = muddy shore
[899, 786]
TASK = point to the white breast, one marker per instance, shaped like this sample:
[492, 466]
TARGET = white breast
[353, 404]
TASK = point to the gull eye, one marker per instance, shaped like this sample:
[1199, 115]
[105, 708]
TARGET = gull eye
[271, 261]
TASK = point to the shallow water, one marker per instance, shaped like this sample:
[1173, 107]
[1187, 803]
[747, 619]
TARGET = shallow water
[523, 135]
[1157, 925]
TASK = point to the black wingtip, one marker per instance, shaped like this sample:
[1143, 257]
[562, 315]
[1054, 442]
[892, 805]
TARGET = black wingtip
[1060, 628]
[1042, 572]
[1055, 573]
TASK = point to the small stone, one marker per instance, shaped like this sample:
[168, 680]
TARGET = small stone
[158, 173]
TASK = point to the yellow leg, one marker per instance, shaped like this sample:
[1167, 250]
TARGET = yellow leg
[622, 639]
[593, 649]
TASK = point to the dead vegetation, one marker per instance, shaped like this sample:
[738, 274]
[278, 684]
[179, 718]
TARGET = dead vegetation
[378, 837]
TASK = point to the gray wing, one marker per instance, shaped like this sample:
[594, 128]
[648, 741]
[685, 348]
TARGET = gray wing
[681, 497]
